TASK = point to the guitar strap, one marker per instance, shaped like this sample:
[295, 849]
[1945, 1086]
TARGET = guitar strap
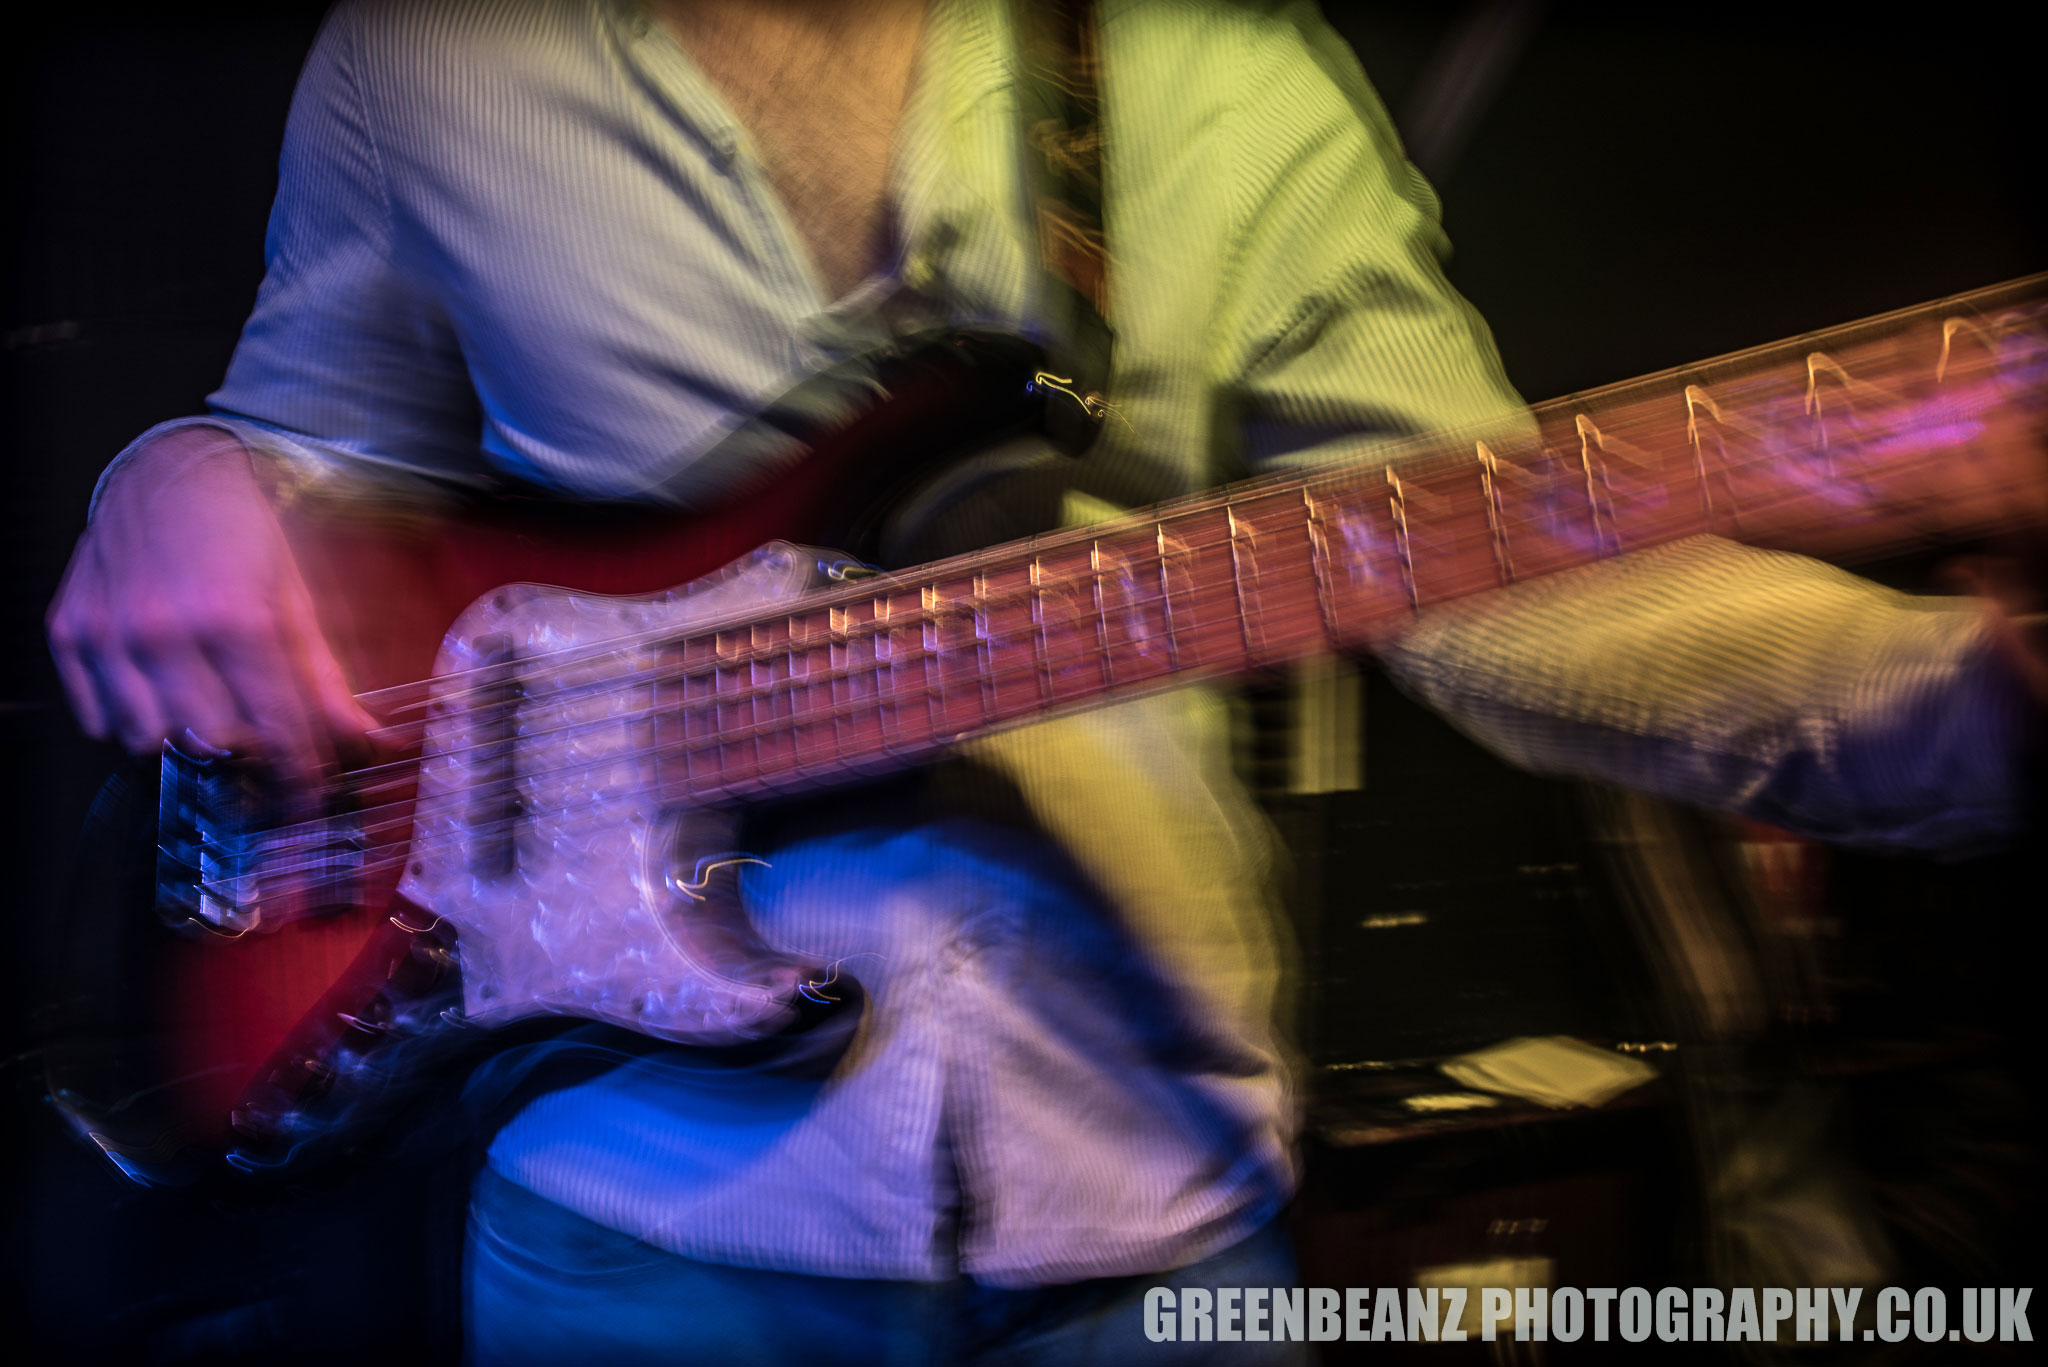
[1060, 104]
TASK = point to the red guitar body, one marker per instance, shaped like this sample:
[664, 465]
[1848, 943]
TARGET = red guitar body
[241, 1025]
[1899, 432]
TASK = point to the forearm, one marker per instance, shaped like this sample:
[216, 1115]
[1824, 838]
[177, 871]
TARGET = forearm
[1742, 681]
[283, 460]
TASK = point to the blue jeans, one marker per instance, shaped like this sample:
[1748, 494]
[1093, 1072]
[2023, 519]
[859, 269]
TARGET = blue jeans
[542, 1284]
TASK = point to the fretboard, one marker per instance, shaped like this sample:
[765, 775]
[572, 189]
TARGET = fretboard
[1864, 440]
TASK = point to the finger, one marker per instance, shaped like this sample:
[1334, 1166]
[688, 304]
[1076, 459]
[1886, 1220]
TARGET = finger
[130, 703]
[2023, 656]
[354, 730]
[184, 684]
[80, 687]
[73, 644]
[2002, 580]
[196, 699]
[258, 672]
[346, 720]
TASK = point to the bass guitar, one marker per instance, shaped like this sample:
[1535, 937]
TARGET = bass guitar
[547, 833]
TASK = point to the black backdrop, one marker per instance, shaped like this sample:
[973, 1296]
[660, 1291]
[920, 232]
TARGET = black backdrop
[1649, 184]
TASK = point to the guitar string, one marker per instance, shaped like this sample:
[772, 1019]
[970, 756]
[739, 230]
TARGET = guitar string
[1557, 511]
[728, 784]
[1752, 365]
[774, 727]
[763, 772]
[1421, 457]
[781, 642]
[1420, 472]
[872, 631]
[781, 651]
[370, 863]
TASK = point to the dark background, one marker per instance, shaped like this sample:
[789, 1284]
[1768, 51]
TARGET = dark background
[1646, 185]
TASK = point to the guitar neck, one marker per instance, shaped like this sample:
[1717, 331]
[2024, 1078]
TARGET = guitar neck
[1886, 434]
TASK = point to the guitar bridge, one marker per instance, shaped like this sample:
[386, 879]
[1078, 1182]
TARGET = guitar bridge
[231, 857]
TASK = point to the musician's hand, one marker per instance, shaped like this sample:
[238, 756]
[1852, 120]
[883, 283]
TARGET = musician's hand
[2013, 582]
[183, 610]
[2012, 596]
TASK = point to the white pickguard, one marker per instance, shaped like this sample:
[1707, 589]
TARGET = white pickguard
[566, 907]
